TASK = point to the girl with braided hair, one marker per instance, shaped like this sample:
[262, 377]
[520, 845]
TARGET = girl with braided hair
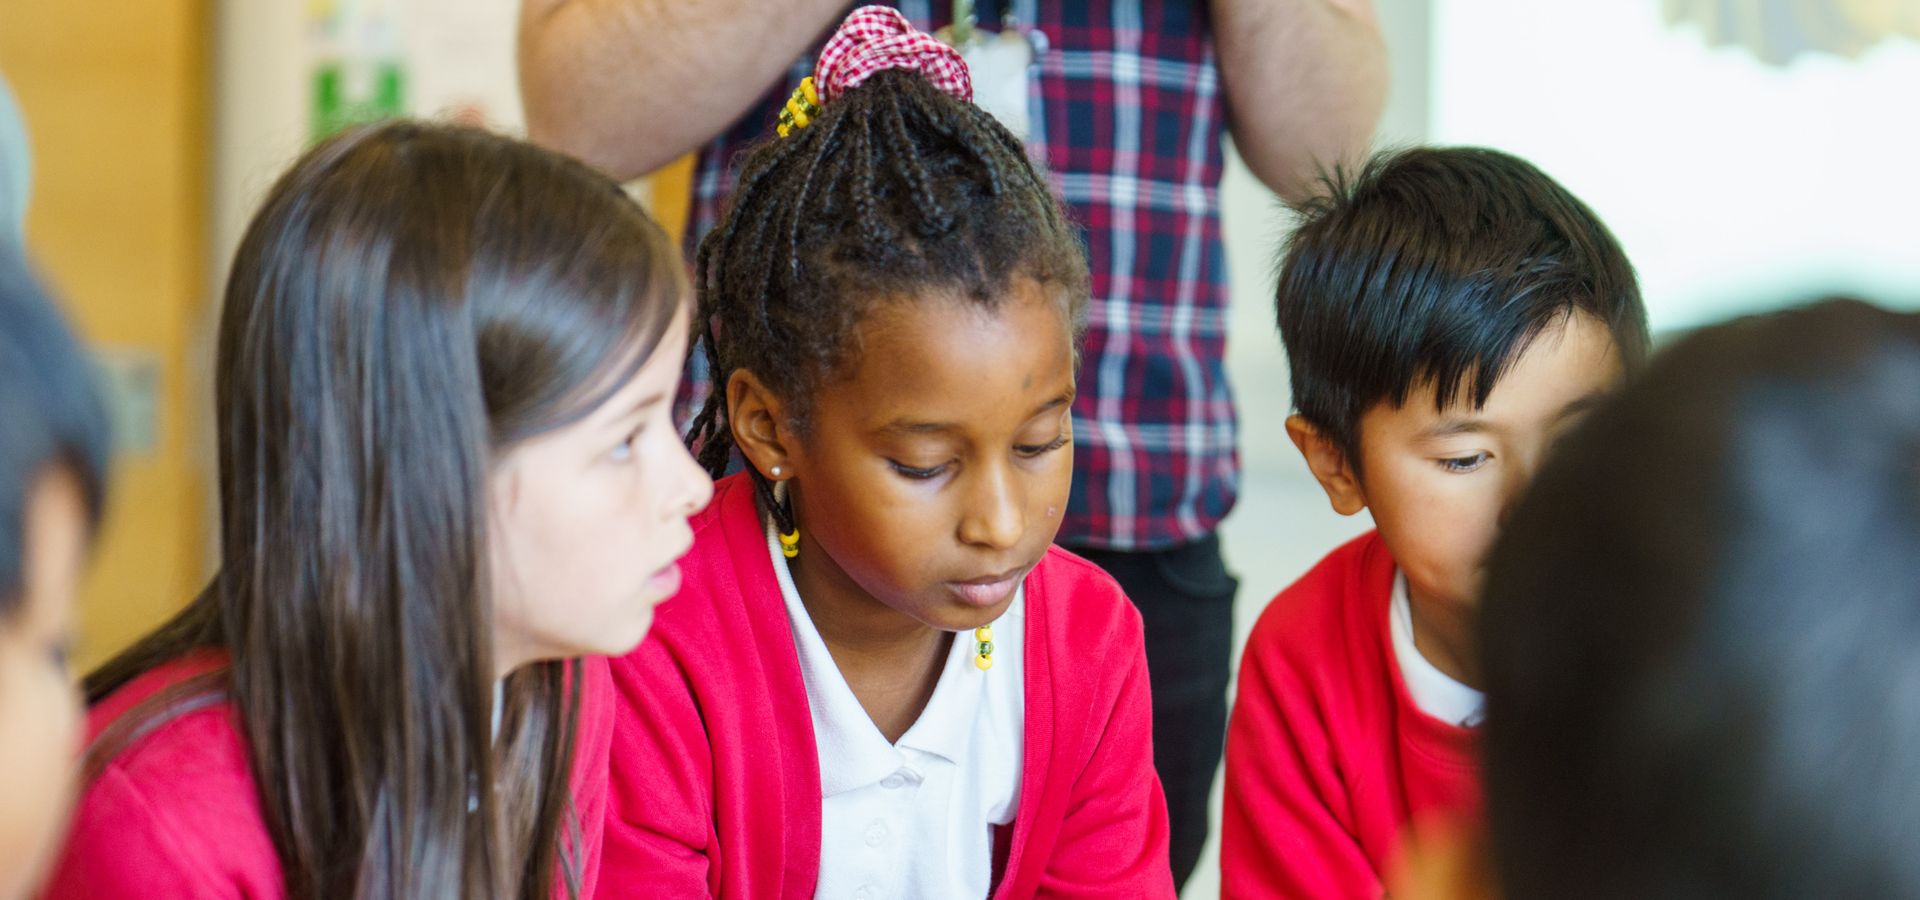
[883, 680]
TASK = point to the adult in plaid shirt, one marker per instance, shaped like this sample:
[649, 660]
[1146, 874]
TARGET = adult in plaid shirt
[1129, 103]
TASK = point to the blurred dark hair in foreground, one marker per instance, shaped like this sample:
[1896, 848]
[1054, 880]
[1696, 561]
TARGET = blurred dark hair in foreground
[1702, 627]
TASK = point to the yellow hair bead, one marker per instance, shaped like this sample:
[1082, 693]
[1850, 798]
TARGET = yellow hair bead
[801, 108]
[983, 647]
[790, 543]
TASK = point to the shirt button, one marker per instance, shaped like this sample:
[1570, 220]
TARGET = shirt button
[893, 782]
[876, 833]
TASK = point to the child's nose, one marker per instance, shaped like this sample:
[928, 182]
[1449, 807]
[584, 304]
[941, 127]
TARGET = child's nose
[994, 517]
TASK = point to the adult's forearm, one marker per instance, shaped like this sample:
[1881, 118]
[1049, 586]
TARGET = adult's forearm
[1305, 83]
[631, 85]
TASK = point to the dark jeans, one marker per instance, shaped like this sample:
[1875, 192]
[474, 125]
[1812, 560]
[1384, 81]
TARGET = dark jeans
[1185, 596]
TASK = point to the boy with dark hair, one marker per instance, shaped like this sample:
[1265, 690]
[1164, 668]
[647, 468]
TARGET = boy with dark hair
[1447, 314]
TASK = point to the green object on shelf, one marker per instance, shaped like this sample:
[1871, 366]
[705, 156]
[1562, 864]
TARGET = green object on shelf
[336, 107]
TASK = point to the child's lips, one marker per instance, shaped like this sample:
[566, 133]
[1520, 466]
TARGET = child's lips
[664, 583]
[989, 590]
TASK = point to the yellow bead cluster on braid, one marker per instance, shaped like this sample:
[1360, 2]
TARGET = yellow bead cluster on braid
[801, 108]
[983, 647]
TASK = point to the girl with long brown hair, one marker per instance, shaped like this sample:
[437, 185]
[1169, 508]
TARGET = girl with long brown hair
[445, 368]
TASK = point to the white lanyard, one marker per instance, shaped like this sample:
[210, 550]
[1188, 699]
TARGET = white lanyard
[1001, 65]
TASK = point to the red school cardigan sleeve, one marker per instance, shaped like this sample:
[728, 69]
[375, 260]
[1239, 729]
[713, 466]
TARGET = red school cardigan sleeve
[1114, 840]
[175, 812]
[121, 846]
[715, 779]
[1110, 839]
[658, 828]
[1284, 831]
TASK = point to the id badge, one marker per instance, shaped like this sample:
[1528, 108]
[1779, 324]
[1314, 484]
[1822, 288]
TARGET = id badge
[1001, 64]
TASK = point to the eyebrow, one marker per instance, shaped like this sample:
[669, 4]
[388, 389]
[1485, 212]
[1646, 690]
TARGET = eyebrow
[645, 403]
[1457, 426]
[907, 426]
[1581, 405]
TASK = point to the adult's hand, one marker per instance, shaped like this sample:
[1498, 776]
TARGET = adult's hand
[631, 85]
[1305, 83]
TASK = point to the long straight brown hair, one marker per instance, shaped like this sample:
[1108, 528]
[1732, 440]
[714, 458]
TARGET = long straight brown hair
[409, 302]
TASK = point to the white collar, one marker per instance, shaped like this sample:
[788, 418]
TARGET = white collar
[1433, 691]
[842, 730]
[499, 705]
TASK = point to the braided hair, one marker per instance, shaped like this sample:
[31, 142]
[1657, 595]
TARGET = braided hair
[896, 190]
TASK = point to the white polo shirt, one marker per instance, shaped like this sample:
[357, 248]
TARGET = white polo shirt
[914, 818]
[1433, 692]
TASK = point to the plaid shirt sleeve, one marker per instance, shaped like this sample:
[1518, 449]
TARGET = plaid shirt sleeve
[1128, 119]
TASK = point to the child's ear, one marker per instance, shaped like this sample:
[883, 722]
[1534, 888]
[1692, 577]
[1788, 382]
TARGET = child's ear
[1329, 465]
[757, 417]
[1443, 861]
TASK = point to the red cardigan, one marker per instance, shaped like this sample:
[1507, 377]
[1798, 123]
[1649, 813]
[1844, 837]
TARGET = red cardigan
[1328, 760]
[716, 780]
[176, 813]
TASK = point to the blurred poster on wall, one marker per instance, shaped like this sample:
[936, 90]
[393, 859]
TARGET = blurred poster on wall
[1741, 152]
[439, 59]
[358, 66]
[1778, 32]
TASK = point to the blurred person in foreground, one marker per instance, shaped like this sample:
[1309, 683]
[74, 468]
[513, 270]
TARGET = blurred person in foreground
[1705, 681]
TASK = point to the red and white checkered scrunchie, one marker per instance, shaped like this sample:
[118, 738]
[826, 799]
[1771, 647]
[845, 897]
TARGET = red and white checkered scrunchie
[877, 38]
